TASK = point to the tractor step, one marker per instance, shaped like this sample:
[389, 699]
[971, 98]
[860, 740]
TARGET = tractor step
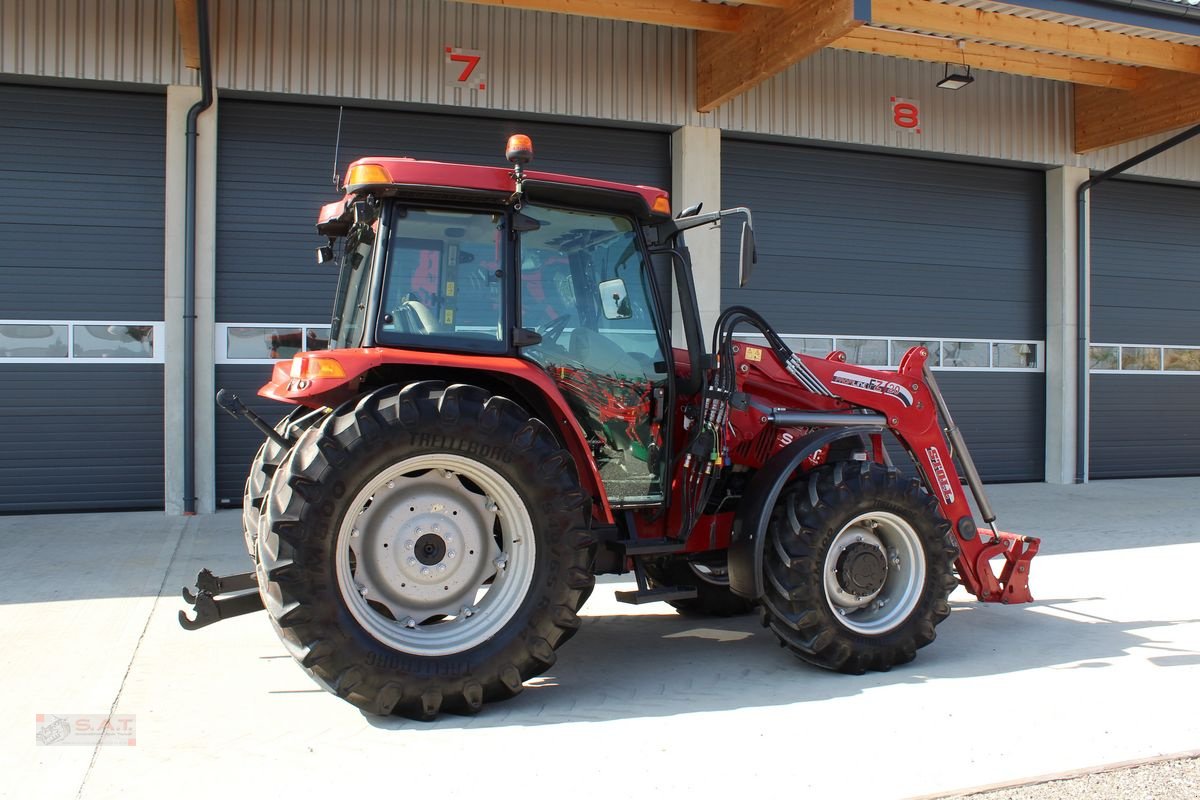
[662, 595]
[635, 548]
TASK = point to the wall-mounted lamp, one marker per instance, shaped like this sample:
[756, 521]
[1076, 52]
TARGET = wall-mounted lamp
[955, 80]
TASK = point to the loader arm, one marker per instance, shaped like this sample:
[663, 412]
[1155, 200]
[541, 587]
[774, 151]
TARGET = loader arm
[909, 404]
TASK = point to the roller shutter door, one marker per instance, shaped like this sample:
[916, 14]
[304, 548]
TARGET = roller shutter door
[274, 173]
[885, 247]
[81, 221]
[1145, 381]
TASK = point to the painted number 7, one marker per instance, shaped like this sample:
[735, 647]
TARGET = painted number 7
[469, 64]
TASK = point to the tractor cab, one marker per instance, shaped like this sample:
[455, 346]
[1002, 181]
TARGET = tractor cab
[550, 269]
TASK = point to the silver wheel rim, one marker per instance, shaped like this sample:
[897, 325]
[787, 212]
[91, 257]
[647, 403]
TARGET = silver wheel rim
[435, 554]
[883, 609]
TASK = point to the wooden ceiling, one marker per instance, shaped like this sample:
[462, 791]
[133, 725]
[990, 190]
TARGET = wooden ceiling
[1126, 86]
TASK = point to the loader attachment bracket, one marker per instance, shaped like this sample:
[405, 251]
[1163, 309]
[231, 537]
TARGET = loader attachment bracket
[1013, 584]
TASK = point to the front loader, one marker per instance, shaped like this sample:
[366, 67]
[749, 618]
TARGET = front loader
[502, 415]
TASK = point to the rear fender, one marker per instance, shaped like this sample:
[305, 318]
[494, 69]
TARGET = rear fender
[299, 382]
[754, 510]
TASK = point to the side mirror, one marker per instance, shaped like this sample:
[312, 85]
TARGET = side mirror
[747, 255]
[325, 254]
[614, 300]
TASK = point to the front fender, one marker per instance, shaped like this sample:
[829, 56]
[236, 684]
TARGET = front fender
[754, 511]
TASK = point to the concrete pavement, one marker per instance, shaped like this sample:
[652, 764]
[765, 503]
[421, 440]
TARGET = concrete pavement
[1101, 669]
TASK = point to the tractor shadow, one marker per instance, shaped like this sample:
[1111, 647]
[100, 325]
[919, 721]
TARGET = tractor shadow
[638, 665]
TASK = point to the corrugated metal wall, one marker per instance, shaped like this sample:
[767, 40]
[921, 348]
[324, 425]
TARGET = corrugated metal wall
[540, 63]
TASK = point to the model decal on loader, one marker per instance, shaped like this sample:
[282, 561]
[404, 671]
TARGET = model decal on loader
[891, 388]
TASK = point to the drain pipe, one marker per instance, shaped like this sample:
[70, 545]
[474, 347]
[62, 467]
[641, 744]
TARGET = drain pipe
[189, 263]
[1083, 254]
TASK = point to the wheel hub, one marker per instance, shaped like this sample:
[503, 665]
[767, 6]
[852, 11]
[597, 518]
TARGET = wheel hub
[424, 546]
[430, 549]
[435, 554]
[862, 569]
[874, 572]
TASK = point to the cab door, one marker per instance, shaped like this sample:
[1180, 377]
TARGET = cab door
[585, 288]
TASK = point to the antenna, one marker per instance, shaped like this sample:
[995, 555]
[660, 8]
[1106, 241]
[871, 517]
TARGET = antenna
[337, 179]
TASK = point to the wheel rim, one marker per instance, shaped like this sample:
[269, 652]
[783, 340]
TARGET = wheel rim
[435, 554]
[874, 572]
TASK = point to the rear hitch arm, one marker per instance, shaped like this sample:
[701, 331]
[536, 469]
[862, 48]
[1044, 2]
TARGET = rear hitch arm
[217, 598]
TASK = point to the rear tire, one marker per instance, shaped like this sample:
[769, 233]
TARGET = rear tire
[858, 567]
[710, 580]
[357, 562]
[262, 470]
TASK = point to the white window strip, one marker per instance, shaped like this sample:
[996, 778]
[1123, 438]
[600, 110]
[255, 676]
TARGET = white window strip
[1121, 369]
[797, 339]
[157, 344]
[221, 342]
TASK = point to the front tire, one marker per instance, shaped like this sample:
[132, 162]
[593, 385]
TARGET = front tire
[858, 568]
[426, 548]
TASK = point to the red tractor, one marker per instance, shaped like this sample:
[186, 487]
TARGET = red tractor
[502, 415]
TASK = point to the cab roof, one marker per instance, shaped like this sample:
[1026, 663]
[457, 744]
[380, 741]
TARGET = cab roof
[434, 180]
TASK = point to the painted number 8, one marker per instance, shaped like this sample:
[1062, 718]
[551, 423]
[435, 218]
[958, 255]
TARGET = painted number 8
[905, 115]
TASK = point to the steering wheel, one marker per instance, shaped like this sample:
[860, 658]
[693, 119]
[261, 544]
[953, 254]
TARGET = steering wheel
[553, 329]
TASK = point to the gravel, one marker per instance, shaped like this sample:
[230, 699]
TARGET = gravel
[1177, 779]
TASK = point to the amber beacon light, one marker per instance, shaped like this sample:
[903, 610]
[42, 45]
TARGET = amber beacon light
[519, 150]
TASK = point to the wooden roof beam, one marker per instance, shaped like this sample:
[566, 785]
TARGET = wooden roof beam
[1163, 102]
[189, 32]
[672, 13]
[1006, 29]
[989, 56]
[769, 41]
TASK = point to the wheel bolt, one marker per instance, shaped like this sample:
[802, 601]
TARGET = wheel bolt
[441, 567]
[409, 622]
[412, 562]
[451, 554]
[391, 484]
[354, 534]
[426, 571]
[895, 562]
[362, 590]
[408, 545]
[501, 561]
[489, 504]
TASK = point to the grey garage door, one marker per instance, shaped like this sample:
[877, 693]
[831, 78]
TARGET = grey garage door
[276, 163]
[1145, 417]
[81, 221]
[882, 250]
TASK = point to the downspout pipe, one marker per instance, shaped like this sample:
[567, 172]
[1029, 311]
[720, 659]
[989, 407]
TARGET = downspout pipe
[1083, 293]
[189, 262]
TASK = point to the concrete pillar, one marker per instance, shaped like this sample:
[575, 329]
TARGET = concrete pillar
[1062, 322]
[179, 100]
[696, 178]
